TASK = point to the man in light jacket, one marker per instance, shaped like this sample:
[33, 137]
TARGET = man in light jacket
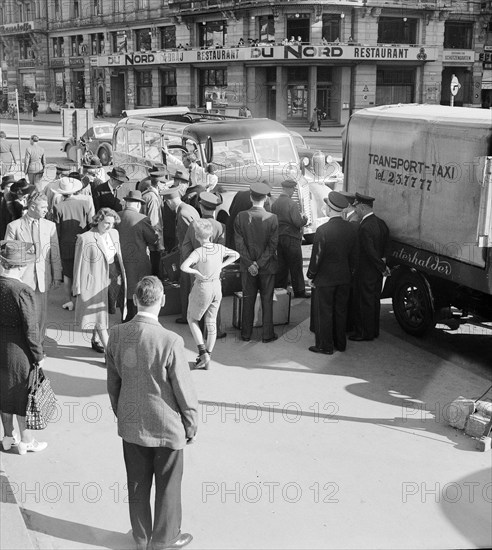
[153, 398]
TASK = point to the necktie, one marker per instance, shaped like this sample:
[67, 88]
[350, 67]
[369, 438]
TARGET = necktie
[36, 238]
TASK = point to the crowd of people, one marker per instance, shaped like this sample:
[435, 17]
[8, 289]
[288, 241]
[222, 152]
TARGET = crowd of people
[107, 251]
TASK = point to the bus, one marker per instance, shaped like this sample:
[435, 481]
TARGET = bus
[241, 151]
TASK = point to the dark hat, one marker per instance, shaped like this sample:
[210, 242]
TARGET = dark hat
[17, 252]
[349, 196]
[134, 196]
[210, 200]
[336, 201]
[179, 176]
[260, 189]
[23, 186]
[159, 175]
[364, 199]
[67, 186]
[118, 174]
[9, 178]
[75, 175]
[61, 169]
[170, 192]
[289, 184]
[94, 162]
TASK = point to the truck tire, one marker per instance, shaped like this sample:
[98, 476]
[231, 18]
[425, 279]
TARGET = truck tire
[412, 304]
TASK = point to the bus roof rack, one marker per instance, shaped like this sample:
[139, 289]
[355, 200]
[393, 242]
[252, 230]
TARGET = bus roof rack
[184, 114]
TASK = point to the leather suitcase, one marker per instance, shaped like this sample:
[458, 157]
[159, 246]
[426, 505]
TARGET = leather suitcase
[170, 266]
[231, 280]
[173, 299]
[281, 308]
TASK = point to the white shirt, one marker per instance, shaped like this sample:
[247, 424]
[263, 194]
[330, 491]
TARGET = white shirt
[150, 315]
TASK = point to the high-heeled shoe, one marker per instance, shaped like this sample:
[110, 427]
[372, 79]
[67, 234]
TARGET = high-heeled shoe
[97, 346]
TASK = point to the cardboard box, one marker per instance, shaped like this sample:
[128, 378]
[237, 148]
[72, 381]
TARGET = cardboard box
[281, 308]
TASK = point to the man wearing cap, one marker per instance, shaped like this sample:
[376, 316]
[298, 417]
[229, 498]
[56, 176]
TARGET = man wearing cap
[256, 235]
[46, 271]
[72, 217]
[152, 208]
[185, 214]
[349, 213]
[105, 194]
[333, 262]
[289, 251]
[208, 203]
[373, 244]
[136, 236]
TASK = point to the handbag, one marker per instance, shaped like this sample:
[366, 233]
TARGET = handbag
[41, 401]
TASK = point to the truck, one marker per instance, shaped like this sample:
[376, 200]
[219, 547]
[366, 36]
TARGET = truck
[429, 168]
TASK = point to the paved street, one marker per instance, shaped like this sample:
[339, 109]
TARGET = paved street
[294, 449]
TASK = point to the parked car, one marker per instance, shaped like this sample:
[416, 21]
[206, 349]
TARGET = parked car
[96, 140]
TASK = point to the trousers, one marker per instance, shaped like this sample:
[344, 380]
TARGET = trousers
[251, 285]
[330, 317]
[289, 253]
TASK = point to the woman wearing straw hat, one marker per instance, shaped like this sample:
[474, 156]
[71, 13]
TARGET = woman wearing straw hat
[20, 345]
[72, 217]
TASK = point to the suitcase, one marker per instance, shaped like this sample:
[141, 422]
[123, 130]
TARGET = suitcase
[281, 308]
[172, 305]
[170, 266]
[231, 280]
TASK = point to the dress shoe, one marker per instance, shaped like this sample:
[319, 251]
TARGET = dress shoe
[10, 441]
[181, 321]
[303, 295]
[181, 541]
[221, 335]
[97, 346]
[272, 339]
[357, 338]
[315, 349]
[245, 339]
[33, 446]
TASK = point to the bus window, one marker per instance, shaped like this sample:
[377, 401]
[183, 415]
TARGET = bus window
[120, 140]
[152, 143]
[233, 153]
[274, 149]
[135, 143]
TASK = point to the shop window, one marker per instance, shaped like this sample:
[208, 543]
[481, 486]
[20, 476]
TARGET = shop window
[395, 30]
[331, 28]
[168, 37]
[297, 97]
[458, 34]
[213, 77]
[395, 86]
[298, 27]
[144, 88]
[324, 74]
[267, 29]
[212, 33]
[297, 74]
[143, 38]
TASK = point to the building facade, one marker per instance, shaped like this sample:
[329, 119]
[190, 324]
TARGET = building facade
[280, 59]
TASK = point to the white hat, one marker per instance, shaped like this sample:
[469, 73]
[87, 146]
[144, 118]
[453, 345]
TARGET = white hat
[67, 186]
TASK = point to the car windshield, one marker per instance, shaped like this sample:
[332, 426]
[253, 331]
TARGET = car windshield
[273, 149]
[105, 130]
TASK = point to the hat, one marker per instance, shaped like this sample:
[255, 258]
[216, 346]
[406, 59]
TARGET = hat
[209, 200]
[94, 162]
[17, 252]
[60, 168]
[179, 176]
[349, 196]
[336, 201]
[159, 175]
[67, 185]
[134, 196]
[170, 192]
[289, 184]
[23, 186]
[9, 178]
[364, 199]
[75, 175]
[260, 189]
[118, 174]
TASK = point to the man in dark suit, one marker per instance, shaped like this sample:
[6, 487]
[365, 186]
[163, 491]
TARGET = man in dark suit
[373, 243]
[332, 264]
[155, 403]
[256, 235]
[105, 194]
[290, 223]
[185, 214]
[136, 236]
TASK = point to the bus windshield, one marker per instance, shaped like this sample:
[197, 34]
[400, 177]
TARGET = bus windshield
[273, 149]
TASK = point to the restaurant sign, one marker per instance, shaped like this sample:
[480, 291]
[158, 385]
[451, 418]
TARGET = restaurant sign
[13, 28]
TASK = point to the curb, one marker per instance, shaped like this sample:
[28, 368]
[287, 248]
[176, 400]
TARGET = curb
[14, 534]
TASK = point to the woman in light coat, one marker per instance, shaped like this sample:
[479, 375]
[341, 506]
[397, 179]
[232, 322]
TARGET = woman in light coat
[99, 280]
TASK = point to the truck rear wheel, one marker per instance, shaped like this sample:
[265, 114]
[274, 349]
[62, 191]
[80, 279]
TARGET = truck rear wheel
[412, 304]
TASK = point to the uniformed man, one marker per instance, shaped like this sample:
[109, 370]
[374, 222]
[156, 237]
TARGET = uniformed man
[332, 264]
[289, 251]
[185, 214]
[373, 243]
[256, 236]
[349, 213]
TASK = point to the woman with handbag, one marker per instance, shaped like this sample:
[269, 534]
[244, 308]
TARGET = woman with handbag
[20, 345]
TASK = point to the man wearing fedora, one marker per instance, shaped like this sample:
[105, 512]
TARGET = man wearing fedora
[152, 207]
[373, 245]
[331, 267]
[137, 236]
[46, 271]
[72, 217]
[105, 194]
